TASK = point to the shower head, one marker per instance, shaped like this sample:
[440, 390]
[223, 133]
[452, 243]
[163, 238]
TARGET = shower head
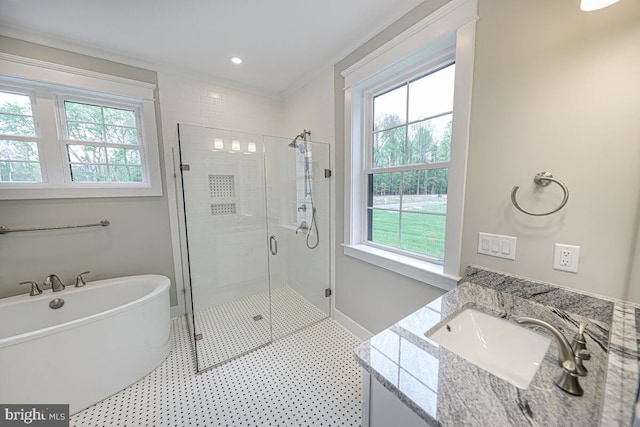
[298, 145]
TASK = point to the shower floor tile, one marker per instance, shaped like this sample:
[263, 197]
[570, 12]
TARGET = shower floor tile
[230, 329]
[307, 378]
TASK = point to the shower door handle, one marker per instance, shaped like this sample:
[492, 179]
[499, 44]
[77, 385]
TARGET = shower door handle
[273, 245]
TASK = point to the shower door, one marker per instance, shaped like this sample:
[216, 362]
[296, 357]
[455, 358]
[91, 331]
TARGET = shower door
[298, 213]
[254, 272]
[226, 227]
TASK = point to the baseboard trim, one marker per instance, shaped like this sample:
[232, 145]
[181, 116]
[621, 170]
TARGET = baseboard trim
[176, 311]
[351, 325]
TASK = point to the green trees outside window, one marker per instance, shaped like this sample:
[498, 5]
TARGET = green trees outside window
[409, 164]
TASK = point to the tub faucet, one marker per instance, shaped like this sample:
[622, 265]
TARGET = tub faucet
[35, 290]
[80, 280]
[567, 358]
[55, 283]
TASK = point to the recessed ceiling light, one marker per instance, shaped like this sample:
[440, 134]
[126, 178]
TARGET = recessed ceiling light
[236, 60]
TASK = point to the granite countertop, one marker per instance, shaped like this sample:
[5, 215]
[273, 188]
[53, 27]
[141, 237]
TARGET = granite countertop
[445, 389]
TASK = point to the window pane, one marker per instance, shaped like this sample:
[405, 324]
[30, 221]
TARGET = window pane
[123, 156]
[85, 132]
[19, 150]
[385, 193]
[385, 227]
[125, 173]
[389, 148]
[432, 94]
[17, 125]
[11, 101]
[423, 233]
[119, 117]
[121, 135]
[430, 140]
[16, 115]
[20, 172]
[19, 162]
[86, 154]
[78, 112]
[425, 191]
[390, 109]
[89, 173]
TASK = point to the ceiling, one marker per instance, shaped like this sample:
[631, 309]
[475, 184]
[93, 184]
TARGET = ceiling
[284, 43]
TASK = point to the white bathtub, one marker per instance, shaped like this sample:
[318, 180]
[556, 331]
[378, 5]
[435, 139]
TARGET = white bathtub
[109, 334]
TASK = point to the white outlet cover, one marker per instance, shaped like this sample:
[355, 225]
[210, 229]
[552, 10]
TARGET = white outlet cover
[566, 262]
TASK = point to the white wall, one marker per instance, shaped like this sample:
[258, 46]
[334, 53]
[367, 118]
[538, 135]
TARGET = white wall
[371, 296]
[556, 89]
[312, 108]
[134, 243]
[633, 286]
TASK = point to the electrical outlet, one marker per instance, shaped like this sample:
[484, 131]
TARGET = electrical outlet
[566, 258]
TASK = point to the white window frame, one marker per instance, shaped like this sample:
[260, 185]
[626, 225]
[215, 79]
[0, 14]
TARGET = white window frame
[433, 64]
[52, 83]
[449, 29]
[63, 132]
[26, 91]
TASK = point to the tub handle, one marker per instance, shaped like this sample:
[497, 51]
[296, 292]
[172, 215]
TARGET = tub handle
[273, 245]
[35, 290]
[80, 281]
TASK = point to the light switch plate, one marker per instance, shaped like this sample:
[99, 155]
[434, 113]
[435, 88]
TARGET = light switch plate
[497, 245]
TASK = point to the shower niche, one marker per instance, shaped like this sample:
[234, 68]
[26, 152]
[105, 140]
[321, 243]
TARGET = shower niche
[255, 238]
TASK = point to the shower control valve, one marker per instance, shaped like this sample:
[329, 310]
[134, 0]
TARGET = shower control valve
[303, 227]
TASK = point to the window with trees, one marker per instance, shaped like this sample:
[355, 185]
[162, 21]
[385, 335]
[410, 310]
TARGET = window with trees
[103, 141]
[408, 164]
[406, 141]
[19, 156]
[67, 133]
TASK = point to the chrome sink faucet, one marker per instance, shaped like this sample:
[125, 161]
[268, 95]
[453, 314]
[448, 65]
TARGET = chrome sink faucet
[568, 358]
[55, 283]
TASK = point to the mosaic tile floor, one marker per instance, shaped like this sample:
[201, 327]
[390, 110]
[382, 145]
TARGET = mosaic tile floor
[230, 329]
[308, 378]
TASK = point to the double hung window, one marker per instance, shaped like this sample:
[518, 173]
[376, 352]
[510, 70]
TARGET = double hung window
[408, 164]
[407, 113]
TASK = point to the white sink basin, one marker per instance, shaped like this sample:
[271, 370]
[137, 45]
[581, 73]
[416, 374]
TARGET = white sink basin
[505, 349]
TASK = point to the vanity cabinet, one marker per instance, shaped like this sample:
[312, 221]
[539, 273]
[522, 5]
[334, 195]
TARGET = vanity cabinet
[381, 408]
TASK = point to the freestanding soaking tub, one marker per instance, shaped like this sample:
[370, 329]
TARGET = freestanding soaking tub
[106, 336]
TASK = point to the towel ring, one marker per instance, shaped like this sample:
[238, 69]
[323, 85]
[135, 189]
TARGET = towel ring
[542, 179]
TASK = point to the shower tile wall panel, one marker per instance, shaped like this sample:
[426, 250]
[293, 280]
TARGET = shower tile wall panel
[308, 273]
[227, 252]
[194, 102]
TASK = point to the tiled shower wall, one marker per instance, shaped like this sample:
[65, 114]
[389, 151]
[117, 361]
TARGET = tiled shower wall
[189, 101]
[193, 102]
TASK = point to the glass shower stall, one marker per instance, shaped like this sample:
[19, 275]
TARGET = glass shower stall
[256, 221]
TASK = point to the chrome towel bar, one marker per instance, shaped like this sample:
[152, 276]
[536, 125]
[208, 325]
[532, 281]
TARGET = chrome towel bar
[5, 230]
[542, 179]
